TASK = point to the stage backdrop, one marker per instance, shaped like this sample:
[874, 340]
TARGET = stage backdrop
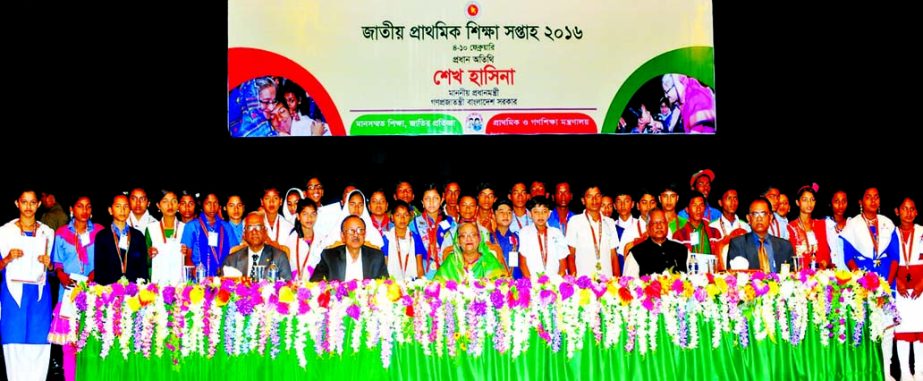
[418, 67]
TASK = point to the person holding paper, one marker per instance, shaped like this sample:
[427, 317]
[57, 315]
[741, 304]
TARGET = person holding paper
[25, 318]
[163, 242]
[72, 256]
[120, 250]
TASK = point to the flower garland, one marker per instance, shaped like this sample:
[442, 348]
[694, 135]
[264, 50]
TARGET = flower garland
[449, 318]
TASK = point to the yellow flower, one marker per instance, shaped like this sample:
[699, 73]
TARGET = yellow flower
[98, 290]
[147, 296]
[394, 292]
[712, 290]
[286, 295]
[585, 295]
[196, 295]
[134, 304]
[749, 293]
[773, 288]
[687, 289]
[612, 289]
[722, 284]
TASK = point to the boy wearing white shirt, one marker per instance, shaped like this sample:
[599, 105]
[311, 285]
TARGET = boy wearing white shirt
[592, 239]
[543, 249]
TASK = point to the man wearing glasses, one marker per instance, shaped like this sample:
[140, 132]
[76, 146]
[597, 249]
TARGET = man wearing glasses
[351, 260]
[761, 250]
[257, 252]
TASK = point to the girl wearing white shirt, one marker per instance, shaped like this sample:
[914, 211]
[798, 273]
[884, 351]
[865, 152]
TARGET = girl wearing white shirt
[305, 248]
[403, 248]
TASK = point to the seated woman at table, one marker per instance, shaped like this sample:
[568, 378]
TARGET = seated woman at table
[471, 257]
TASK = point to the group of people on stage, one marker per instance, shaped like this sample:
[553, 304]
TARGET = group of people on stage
[448, 235]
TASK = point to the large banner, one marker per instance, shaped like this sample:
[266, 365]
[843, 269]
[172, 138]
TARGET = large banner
[423, 67]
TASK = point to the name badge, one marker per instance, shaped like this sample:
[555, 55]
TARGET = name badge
[212, 239]
[123, 242]
[812, 238]
[85, 239]
[514, 259]
[445, 224]
[694, 237]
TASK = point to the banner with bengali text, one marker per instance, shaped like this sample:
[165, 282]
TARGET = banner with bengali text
[414, 67]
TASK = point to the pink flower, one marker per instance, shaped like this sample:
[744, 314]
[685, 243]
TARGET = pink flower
[353, 311]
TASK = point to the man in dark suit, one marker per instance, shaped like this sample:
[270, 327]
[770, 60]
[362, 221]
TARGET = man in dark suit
[656, 253]
[258, 252]
[351, 260]
[778, 250]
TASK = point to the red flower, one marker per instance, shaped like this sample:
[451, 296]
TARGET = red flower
[625, 295]
[223, 297]
[653, 289]
[409, 310]
[871, 281]
[323, 299]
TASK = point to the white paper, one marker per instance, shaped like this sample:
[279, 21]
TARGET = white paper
[167, 267]
[212, 239]
[694, 238]
[68, 307]
[123, 242]
[85, 239]
[78, 277]
[27, 269]
[514, 259]
[740, 263]
[812, 239]
[231, 272]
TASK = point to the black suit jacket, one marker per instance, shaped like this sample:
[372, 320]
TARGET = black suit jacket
[653, 258]
[240, 259]
[744, 246]
[332, 265]
[108, 269]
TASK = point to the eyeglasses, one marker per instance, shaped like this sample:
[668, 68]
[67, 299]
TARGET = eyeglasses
[269, 102]
[355, 231]
[253, 228]
[759, 214]
[468, 235]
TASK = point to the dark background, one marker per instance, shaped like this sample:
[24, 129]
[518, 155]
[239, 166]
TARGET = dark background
[114, 98]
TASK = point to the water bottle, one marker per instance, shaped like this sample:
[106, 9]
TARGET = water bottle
[813, 262]
[200, 273]
[273, 272]
[692, 265]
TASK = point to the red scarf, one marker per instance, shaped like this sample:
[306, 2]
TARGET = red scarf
[71, 238]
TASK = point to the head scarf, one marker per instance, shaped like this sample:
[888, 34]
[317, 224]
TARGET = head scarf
[288, 216]
[487, 266]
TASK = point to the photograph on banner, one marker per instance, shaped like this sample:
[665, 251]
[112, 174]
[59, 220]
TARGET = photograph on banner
[462, 67]
[670, 104]
[273, 106]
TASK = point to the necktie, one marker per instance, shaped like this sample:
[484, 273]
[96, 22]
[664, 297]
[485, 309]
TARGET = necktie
[253, 266]
[764, 258]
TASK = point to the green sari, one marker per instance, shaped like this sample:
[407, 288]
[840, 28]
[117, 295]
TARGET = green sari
[487, 266]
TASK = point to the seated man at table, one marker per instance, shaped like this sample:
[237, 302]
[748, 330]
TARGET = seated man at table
[258, 252]
[656, 253]
[761, 250]
[351, 260]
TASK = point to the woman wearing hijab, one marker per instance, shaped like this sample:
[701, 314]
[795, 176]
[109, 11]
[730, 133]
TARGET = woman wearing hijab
[354, 206]
[470, 258]
[292, 196]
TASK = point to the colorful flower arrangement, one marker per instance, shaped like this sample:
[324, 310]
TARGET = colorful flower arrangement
[449, 318]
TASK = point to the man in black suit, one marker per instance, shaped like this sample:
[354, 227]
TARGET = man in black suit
[656, 253]
[778, 250]
[258, 252]
[351, 260]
